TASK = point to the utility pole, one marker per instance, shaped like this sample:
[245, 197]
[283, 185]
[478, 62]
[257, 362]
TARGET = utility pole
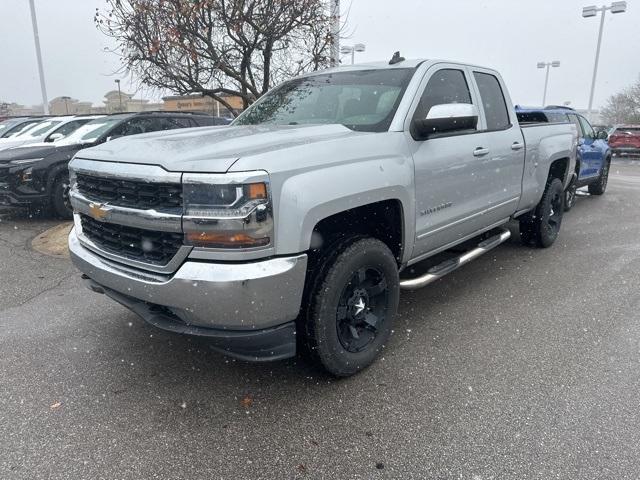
[119, 94]
[335, 32]
[547, 65]
[36, 38]
[592, 11]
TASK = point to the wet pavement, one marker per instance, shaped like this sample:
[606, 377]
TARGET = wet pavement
[523, 364]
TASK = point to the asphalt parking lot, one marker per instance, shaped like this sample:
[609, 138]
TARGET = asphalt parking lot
[524, 364]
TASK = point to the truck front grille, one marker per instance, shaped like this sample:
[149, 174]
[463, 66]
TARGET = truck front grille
[137, 244]
[131, 193]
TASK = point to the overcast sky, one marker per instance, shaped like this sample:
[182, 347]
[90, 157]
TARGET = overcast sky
[509, 35]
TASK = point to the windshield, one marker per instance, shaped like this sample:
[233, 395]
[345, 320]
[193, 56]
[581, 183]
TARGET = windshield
[90, 132]
[39, 129]
[363, 100]
[14, 131]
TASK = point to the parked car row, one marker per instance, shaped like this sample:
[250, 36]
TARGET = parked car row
[33, 169]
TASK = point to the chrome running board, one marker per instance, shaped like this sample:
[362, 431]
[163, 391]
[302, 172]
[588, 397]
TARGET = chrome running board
[448, 266]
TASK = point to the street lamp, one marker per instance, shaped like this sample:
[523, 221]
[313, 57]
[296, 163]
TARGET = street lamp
[36, 38]
[119, 94]
[592, 11]
[347, 49]
[547, 65]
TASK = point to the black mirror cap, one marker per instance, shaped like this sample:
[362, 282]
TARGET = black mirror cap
[424, 129]
[602, 135]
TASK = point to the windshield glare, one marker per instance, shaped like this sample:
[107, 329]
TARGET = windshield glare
[362, 100]
[90, 132]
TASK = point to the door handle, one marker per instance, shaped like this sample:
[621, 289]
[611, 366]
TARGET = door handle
[480, 152]
[517, 146]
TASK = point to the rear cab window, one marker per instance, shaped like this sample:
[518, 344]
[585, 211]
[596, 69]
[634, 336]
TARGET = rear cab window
[493, 101]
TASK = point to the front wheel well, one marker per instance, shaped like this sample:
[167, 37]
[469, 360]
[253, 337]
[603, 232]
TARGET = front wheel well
[382, 220]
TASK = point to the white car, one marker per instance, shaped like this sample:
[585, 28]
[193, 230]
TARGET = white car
[47, 131]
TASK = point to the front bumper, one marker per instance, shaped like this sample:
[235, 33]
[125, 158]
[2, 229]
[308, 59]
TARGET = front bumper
[19, 186]
[625, 150]
[233, 303]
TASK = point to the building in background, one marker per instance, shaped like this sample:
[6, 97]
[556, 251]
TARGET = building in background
[12, 109]
[201, 103]
[69, 106]
[115, 102]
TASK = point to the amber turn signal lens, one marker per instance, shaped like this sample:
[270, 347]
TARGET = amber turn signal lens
[257, 191]
[225, 240]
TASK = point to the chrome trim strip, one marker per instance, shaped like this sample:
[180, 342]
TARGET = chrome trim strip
[477, 214]
[129, 217]
[231, 178]
[173, 265]
[125, 171]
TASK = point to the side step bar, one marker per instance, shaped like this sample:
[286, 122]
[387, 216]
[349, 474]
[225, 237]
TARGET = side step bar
[448, 266]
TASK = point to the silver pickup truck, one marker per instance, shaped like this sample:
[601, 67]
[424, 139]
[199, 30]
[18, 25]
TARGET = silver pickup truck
[296, 227]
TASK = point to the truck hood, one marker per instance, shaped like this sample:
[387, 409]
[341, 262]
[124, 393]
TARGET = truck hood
[211, 149]
[35, 151]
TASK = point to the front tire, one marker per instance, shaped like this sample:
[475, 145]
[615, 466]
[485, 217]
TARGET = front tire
[60, 201]
[542, 226]
[599, 187]
[352, 304]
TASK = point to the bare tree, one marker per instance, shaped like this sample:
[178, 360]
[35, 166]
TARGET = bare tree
[218, 47]
[623, 107]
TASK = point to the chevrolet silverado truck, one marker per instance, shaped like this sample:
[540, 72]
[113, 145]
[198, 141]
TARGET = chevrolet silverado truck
[296, 227]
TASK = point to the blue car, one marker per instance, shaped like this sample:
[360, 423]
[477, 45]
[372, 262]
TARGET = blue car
[594, 154]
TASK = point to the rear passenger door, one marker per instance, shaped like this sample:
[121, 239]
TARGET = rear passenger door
[503, 138]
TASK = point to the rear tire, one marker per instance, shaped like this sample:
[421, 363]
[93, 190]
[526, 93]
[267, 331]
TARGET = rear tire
[541, 227]
[600, 186]
[60, 201]
[353, 299]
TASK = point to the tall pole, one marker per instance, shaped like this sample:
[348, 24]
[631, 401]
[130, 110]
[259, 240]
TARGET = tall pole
[595, 67]
[36, 38]
[119, 95]
[546, 84]
[335, 32]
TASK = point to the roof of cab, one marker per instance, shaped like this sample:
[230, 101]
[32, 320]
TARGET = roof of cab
[407, 63]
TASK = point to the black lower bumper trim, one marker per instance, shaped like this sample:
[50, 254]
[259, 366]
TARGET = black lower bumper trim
[264, 345]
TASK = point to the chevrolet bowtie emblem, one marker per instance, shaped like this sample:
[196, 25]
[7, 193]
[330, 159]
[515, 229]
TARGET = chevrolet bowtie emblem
[99, 211]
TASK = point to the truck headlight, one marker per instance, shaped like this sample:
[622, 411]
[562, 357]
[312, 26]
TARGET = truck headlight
[227, 211]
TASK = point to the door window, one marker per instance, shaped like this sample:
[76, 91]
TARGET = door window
[493, 102]
[587, 129]
[574, 119]
[445, 86]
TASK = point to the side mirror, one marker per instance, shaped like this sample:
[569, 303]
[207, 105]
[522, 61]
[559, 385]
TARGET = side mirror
[602, 135]
[54, 136]
[112, 137]
[446, 118]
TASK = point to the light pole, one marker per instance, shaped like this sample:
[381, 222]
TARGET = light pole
[334, 20]
[547, 65]
[36, 38]
[592, 11]
[119, 94]
[348, 49]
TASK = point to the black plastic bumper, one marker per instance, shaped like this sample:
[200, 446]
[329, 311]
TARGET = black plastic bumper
[265, 345]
